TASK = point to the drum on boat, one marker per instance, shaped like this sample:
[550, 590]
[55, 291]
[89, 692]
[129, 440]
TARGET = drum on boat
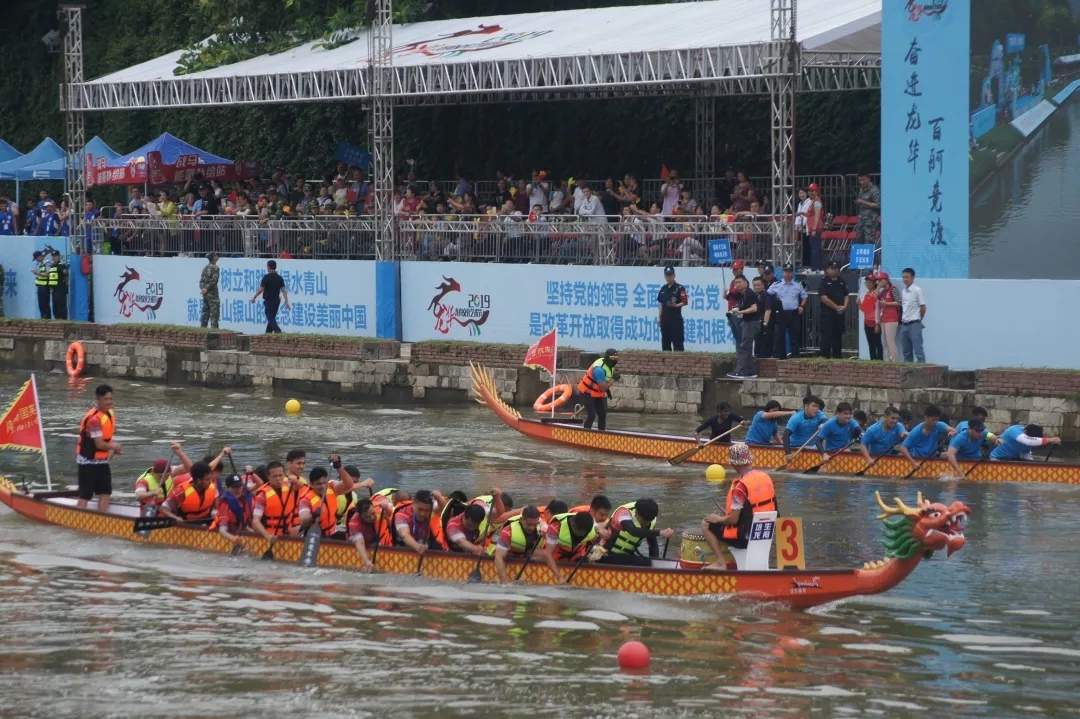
[695, 552]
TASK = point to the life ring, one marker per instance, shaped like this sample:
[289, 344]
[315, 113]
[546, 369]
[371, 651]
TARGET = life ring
[78, 352]
[548, 402]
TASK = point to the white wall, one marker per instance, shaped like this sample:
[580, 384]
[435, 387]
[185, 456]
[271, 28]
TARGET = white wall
[334, 297]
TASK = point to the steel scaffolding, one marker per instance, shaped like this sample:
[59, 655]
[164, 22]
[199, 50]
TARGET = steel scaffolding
[704, 143]
[70, 17]
[381, 128]
[782, 85]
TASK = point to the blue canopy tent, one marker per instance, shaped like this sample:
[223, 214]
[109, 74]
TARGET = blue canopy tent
[57, 170]
[7, 152]
[46, 151]
[164, 159]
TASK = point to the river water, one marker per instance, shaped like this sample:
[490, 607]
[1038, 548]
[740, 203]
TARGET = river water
[1024, 220]
[100, 627]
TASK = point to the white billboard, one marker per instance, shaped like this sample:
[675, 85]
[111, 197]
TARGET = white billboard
[592, 307]
[326, 297]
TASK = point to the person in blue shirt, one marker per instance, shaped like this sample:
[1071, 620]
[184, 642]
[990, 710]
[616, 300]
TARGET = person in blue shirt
[924, 440]
[804, 425]
[1017, 442]
[978, 413]
[968, 444]
[882, 436]
[50, 221]
[763, 426]
[839, 432]
[7, 217]
[31, 217]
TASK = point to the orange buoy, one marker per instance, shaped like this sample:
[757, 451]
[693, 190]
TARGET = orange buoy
[633, 656]
[548, 402]
[75, 359]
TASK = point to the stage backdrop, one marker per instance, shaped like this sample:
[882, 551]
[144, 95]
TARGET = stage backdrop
[332, 298]
[593, 307]
[924, 136]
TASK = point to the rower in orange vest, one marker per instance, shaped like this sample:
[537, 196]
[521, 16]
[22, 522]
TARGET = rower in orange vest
[555, 506]
[275, 504]
[369, 527]
[234, 508]
[600, 509]
[193, 500]
[416, 523]
[320, 500]
[751, 491]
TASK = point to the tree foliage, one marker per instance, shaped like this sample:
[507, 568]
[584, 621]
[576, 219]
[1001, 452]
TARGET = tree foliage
[835, 132]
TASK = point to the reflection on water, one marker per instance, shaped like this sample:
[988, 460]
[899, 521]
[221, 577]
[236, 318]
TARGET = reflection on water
[1025, 218]
[111, 628]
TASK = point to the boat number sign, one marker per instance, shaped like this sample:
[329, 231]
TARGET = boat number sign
[789, 544]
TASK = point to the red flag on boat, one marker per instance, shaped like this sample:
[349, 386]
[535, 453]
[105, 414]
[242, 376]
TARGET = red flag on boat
[542, 354]
[20, 424]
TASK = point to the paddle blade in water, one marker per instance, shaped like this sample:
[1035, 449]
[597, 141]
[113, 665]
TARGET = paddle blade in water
[145, 524]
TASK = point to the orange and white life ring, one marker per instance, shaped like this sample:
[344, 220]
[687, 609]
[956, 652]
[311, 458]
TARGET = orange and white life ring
[76, 359]
[548, 400]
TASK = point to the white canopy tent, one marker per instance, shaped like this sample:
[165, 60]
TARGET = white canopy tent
[650, 49]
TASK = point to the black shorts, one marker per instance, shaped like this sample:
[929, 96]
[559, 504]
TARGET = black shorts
[94, 479]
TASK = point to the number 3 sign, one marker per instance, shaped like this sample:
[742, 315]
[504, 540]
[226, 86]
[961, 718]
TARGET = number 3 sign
[789, 543]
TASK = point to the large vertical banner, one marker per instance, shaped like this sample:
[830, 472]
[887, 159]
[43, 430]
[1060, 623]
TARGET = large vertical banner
[924, 136]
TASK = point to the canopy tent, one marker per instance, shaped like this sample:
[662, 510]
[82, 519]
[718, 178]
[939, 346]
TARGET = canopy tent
[57, 169]
[46, 151]
[717, 42]
[7, 152]
[165, 159]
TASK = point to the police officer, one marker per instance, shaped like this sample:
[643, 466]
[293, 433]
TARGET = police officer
[208, 286]
[595, 387]
[834, 302]
[58, 285]
[41, 281]
[792, 296]
[672, 298]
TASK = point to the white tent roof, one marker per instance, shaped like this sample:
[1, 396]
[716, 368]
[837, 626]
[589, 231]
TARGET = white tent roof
[823, 25]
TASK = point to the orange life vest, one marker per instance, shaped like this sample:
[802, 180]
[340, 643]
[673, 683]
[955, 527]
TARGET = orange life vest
[328, 513]
[194, 506]
[380, 528]
[279, 509]
[760, 497]
[87, 448]
[435, 529]
[588, 385]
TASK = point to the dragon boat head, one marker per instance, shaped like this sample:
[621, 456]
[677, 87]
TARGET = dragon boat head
[927, 527]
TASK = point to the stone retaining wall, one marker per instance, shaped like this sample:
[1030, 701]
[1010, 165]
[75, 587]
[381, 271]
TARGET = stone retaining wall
[1032, 382]
[856, 373]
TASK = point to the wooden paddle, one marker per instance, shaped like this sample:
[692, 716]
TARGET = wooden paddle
[309, 555]
[687, 454]
[419, 565]
[474, 575]
[806, 444]
[870, 464]
[666, 543]
[577, 566]
[819, 465]
[145, 524]
[528, 558]
[917, 467]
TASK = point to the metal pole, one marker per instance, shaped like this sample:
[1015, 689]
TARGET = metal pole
[70, 17]
[381, 128]
[41, 432]
[705, 149]
[782, 82]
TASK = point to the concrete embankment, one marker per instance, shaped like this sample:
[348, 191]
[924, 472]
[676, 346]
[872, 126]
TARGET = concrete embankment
[438, 372]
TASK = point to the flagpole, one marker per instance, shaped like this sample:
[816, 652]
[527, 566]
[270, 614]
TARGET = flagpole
[554, 369]
[41, 431]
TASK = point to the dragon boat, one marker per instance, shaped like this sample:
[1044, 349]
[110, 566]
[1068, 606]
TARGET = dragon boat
[910, 535]
[664, 446]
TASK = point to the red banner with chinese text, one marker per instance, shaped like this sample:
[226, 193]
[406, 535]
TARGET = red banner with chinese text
[542, 354]
[20, 425]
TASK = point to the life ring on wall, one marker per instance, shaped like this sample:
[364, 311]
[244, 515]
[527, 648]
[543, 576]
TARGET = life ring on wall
[76, 359]
[548, 402]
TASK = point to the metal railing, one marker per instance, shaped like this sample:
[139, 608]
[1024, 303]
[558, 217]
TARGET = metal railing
[556, 239]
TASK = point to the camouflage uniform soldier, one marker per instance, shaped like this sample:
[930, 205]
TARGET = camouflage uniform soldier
[208, 286]
[869, 203]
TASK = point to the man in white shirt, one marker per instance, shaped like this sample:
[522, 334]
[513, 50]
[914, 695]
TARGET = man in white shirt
[912, 312]
[591, 207]
[538, 190]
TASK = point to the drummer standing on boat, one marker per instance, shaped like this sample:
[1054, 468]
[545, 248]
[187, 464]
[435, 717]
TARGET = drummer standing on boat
[95, 448]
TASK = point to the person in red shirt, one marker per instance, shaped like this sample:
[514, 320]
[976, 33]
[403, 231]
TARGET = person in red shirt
[463, 531]
[889, 314]
[733, 296]
[413, 525]
[520, 537]
[369, 528]
[871, 327]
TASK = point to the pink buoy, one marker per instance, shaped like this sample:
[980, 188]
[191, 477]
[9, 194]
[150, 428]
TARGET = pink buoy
[633, 656]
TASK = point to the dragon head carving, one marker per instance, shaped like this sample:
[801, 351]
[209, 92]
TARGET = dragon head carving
[927, 527]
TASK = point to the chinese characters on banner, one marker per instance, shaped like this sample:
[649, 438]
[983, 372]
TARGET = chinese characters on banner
[925, 69]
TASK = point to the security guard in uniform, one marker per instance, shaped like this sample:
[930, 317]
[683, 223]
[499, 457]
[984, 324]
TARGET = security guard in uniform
[58, 285]
[595, 387]
[672, 298]
[41, 281]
